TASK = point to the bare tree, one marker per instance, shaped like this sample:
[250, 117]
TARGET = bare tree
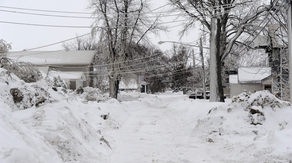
[180, 69]
[81, 43]
[119, 24]
[236, 17]
[4, 47]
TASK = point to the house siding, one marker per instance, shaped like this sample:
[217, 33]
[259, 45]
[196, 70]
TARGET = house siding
[236, 89]
[84, 69]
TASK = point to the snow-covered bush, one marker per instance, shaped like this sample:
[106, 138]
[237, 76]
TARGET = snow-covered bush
[58, 82]
[23, 70]
[94, 94]
[79, 90]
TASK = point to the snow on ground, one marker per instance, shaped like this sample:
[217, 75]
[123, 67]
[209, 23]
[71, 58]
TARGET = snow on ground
[162, 128]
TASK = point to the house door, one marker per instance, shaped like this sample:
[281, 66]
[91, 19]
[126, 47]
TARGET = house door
[73, 85]
[268, 87]
[142, 88]
[147, 88]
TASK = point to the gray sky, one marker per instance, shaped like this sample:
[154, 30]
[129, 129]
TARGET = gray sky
[26, 37]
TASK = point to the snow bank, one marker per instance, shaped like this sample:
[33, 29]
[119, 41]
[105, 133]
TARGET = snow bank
[20, 143]
[21, 95]
[62, 128]
[258, 124]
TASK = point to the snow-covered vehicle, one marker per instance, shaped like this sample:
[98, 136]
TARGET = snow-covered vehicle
[200, 95]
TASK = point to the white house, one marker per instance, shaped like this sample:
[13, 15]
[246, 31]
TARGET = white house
[250, 79]
[134, 85]
[130, 85]
[74, 67]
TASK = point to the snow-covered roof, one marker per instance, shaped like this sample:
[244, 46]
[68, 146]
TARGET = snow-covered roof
[53, 57]
[65, 75]
[233, 79]
[132, 84]
[253, 74]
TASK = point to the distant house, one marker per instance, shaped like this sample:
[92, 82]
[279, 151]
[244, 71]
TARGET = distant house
[144, 85]
[133, 85]
[74, 67]
[250, 79]
[128, 86]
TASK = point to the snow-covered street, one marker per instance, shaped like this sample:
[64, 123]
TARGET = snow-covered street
[150, 135]
[160, 128]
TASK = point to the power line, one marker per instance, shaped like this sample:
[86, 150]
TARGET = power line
[67, 16]
[43, 25]
[38, 14]
[65, 26]
[70, 27]
[66, 12]
[58, 42]
[44, 10]
[106, 73]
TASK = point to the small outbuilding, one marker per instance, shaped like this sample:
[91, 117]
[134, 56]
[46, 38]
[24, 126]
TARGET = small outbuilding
[130, 85]
[250, 79]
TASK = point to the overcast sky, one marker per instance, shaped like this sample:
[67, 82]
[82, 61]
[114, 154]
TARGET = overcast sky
[26, 37]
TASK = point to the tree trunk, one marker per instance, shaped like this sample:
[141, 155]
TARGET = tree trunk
[218, 59]
[113, 86]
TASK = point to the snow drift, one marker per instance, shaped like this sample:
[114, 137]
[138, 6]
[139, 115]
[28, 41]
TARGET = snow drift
[258, 124]
[40, 124]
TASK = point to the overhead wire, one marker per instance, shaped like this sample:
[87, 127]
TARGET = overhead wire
[71, 16]
[106, 73]
[88, 13]
[44, 25]
[68, 26]
[73, 38]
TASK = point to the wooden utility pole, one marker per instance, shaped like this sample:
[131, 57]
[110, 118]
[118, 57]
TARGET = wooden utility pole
[194, 69]
[203, 67]
[289, 13]
[214, 58]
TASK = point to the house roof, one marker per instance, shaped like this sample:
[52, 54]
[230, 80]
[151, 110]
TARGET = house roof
[253, 74]
[41, 58]
[68, 75]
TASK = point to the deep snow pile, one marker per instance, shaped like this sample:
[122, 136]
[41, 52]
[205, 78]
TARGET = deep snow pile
[39, 124]
[258, 124]
[20, 95]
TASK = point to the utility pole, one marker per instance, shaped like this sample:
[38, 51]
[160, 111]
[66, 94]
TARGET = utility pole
[214, 58]
[194, 69]
[203, 67]
[275, 60]
[289, 13]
